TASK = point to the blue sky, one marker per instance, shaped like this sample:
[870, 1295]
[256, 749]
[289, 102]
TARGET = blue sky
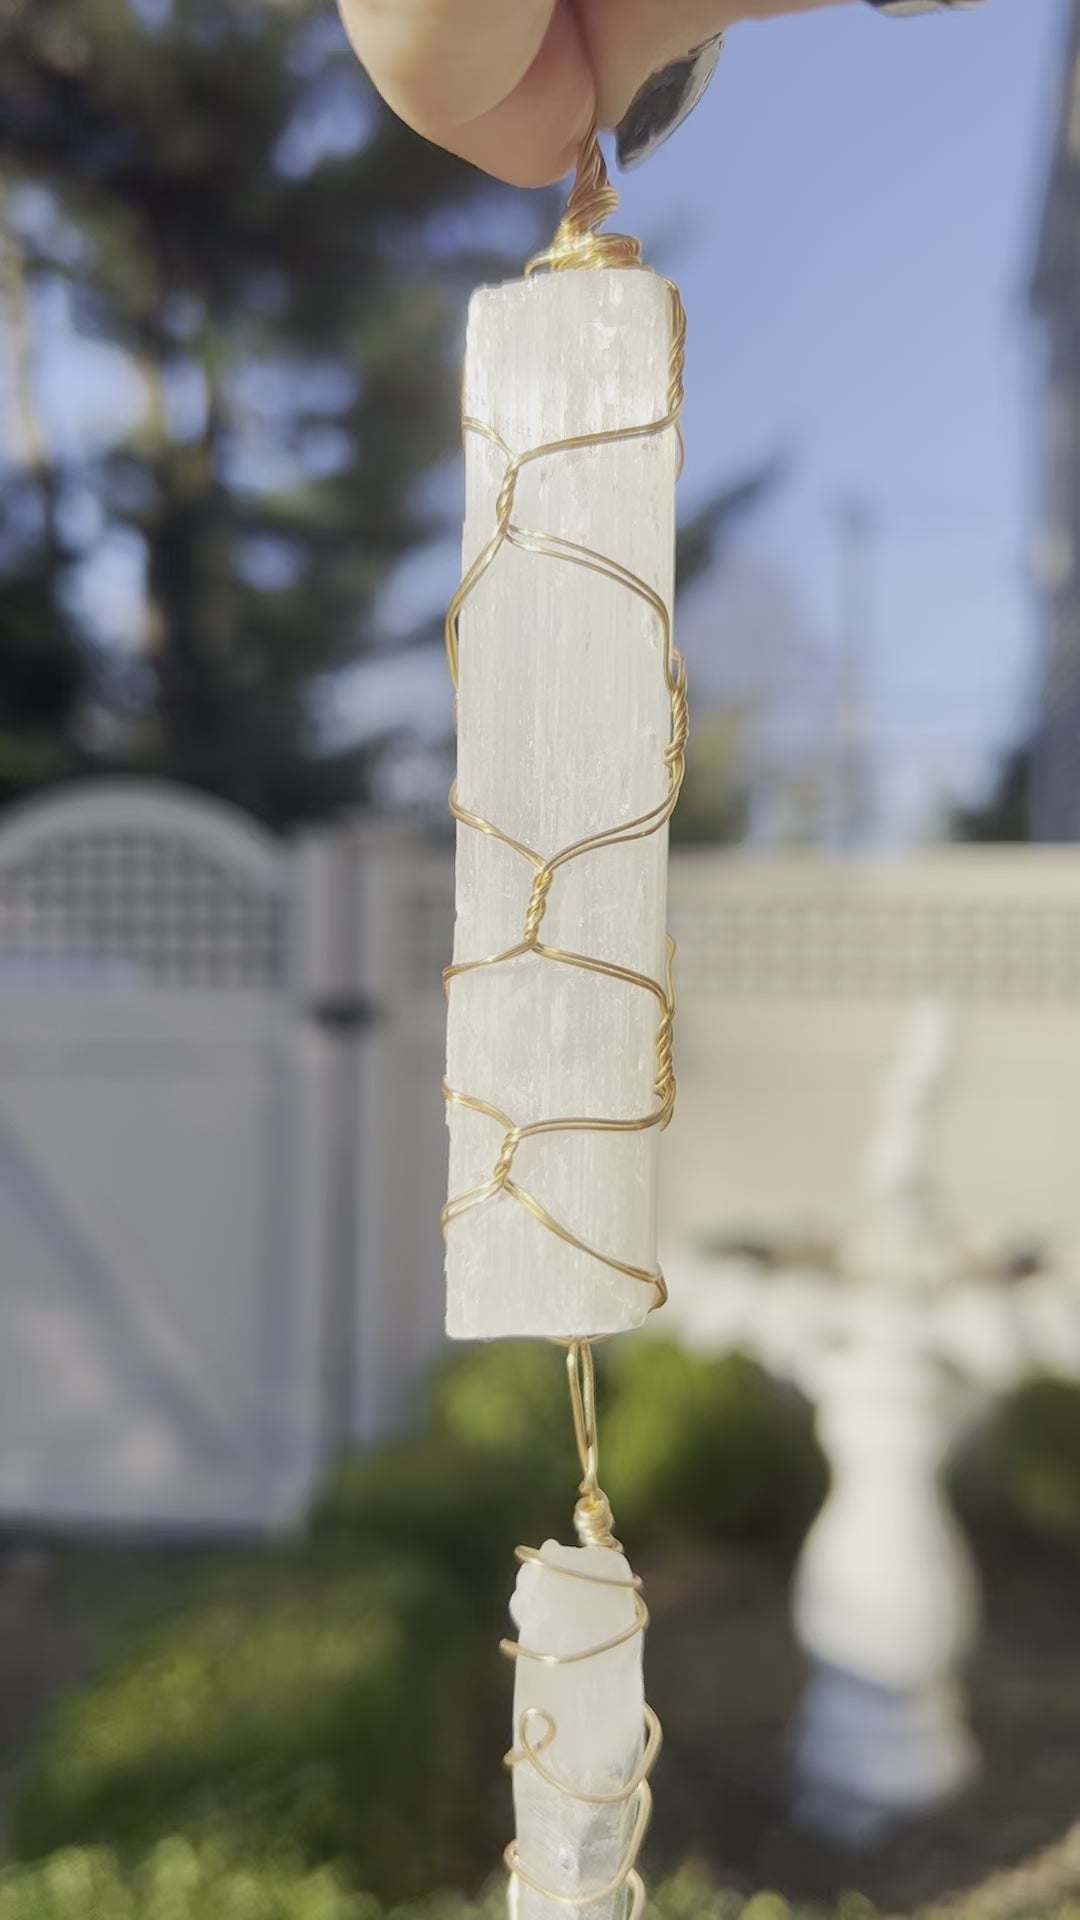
[851, 217]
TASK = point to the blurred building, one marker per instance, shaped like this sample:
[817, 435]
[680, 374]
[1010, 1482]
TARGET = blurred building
[1055, 794]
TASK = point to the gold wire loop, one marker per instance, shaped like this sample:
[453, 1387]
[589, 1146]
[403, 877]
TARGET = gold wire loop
[530, 1750]
[594, 1522]
[581, 1376]
[578, 243]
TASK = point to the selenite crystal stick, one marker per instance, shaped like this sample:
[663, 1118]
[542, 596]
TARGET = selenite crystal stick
[564, 719]
[581, 1711]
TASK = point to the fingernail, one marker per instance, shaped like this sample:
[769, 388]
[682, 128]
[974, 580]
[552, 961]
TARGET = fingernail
[901, 7]
[664, 102]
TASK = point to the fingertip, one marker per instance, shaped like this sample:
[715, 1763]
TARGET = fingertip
[532, 138]
[539, 170]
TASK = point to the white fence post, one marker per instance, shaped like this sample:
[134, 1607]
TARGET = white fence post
[400, 1166]
[324, 964]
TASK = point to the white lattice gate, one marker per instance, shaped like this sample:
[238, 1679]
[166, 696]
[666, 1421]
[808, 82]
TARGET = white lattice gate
[163, 1237]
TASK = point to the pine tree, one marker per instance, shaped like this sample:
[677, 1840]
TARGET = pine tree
[211, 187]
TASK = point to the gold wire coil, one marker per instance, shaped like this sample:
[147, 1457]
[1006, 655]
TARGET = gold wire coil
[528, 1750]
[578, 243]
[593, 1519]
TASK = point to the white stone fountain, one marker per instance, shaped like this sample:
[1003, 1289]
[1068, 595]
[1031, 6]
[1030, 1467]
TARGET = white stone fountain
[899, 1337]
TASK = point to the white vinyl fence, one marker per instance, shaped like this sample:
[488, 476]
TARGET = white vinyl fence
[222, 1142]
[794, 978]
[164, 1320]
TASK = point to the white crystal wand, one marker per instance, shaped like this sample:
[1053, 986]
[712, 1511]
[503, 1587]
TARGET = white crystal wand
[571, 718]
[584, 1741]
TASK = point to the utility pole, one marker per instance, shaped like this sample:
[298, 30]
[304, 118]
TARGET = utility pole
[853, 798]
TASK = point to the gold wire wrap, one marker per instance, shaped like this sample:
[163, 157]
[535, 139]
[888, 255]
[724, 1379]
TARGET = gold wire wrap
[577, 243]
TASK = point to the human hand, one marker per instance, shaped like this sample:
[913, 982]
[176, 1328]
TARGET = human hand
[513, 85]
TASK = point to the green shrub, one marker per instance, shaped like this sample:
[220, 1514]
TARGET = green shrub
[495, 1466]
[689, 1447]
[1039, 1438]
[693, 1895]
[700, 1448]
[181, 1882]
[682, 1896]
[1024, 1466]
[507, 1399]
[467, 1511]
[176, 1882]
[331, 1705]
[298, 1726]
[300, 1709]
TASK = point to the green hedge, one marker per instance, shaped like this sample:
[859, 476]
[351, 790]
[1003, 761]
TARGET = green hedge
[339, 1707]
[690, 1447]
[343, 1703]
[302, 1708]
[1025, 1465]
[494, 1465]
[695, 1448]
[181, 1882]
[176, 1882]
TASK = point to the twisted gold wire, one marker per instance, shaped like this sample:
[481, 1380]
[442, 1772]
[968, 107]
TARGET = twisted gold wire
[578, 243]
[593, 1519]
